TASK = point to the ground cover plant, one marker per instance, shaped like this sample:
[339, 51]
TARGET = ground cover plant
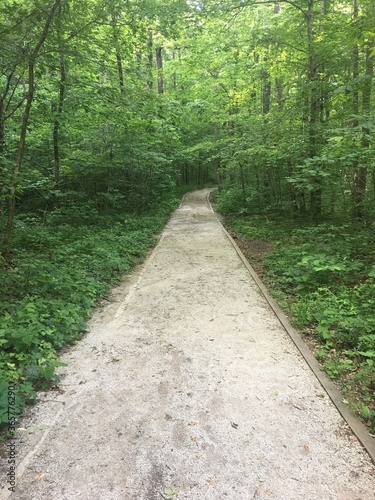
[324, 277]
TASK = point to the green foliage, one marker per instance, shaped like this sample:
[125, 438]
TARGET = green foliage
[329, 281]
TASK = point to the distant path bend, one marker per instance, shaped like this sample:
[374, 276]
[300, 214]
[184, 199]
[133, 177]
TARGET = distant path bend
[187, 387]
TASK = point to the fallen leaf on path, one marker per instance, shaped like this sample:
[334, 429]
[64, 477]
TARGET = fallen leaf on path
[171, 492]
[191, 424]
[234, 425]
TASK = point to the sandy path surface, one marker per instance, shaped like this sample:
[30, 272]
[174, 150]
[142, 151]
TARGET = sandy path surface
[187, 387]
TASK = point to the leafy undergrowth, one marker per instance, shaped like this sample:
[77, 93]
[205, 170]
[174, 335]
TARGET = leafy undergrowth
[324, 277]
[56, 273]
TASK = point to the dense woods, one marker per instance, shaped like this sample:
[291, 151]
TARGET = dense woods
[107, 106]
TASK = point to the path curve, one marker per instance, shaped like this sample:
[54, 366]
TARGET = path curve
[187, 387]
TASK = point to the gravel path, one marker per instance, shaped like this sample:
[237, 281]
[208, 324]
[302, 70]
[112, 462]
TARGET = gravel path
[187, 387]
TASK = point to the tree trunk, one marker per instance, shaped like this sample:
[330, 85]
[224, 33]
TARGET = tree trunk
[120, 68]
[361, 180]
[355, 107]
[266, 89]
[315, 193]
[150, 82]
[59, 110]
[159, 66]
[217, 164]
[25, 121]
[243, 186]
[174, 75]
[279, 92]
[56, 125]
[2, 151]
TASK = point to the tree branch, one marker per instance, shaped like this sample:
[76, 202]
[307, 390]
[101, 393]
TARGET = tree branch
[17, 106]
[267, 2]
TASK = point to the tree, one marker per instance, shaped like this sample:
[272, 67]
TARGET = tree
[31, 62]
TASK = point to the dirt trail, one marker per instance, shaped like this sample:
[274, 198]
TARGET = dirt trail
[187, 387]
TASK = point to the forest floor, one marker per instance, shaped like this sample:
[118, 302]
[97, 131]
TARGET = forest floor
[188, 387]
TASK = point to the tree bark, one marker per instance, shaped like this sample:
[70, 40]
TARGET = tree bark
[243, 185]
[159, 66]
[2, 151]
[56, 125]
[59, 110]
[266, 91]
[279, 92]
[355, 122]
[361, 180]
[315, 193]
[150, 82]
[120, 68]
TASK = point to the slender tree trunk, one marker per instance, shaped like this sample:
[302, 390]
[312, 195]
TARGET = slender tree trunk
[266, 93]
[266, 89]
[2, 127]
[25, 121]
[56, 125]
[120, 68]
[217, 159]
[292, 191]
[312, 81]
[361, 181]
[150, 82]
[174, 76]
[279, 92]
[159, 66]
[243, 186]
[2, 151]
[59, 109]
[316, 193]
[355, 122]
